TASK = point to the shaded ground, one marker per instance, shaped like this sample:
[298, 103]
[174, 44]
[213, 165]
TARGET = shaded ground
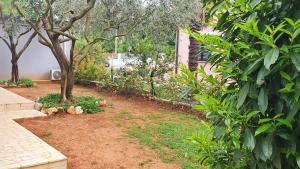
[97, 141]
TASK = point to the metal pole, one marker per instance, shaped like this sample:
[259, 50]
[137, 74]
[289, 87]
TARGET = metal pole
[177, 50]
[116, 53]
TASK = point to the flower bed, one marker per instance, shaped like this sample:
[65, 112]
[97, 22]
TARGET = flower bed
[80, 104]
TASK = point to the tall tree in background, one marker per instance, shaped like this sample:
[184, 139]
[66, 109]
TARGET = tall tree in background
[14, 31]
[196, 25]
[111, 19]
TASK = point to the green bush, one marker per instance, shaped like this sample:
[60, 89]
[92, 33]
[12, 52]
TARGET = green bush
[172, 89]
[88, 104]
[52, 100]
[256, 116]
[26, 82]
[129, 82]
[94, 72]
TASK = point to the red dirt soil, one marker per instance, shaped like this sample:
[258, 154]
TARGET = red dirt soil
[95, 141]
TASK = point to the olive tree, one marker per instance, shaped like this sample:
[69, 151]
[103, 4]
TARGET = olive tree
[15, 31]
[53, 27]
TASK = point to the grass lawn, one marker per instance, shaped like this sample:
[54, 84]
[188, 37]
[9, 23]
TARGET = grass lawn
[169, 134]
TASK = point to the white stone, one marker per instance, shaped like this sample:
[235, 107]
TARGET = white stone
[78, 110]
[38, 106]
[52, 111]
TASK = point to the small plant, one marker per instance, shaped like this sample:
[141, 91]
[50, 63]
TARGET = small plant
[88, 104]
[52, 100]
[27, 82]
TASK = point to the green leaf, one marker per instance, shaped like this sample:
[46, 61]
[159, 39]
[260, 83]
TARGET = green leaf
[285, 76]
[277, 161]
[285, 122]
[263, 128]
[252, 67]
[288, 88]
[252, 114]
[263, 100]
[296, 33]
[254, 3]
[298, 159]
[271, 57]
[219, 132]
[249, 139]
[267, 147]
[296, 60]
[217, 7]
[290, 21]
[264, 120]
[261, 76]
[243, 95]
[294, 110]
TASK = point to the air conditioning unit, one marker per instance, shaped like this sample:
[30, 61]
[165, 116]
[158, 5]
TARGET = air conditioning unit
[55, 74]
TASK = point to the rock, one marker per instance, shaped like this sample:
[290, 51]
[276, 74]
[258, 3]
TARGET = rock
[51, 111]
[38, 106]
[75, 110]
[60, 110]
[102, 103]
[44, 110]
[78, 110]
[71, 110]
[22, 86]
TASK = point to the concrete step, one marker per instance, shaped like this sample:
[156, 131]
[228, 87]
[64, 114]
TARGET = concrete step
[21, 114]
[19, 148]
[10, 101]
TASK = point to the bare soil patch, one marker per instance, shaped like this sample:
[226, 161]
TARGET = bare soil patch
[96, 141]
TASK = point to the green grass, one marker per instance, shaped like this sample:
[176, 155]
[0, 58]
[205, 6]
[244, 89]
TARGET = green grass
[169, 135]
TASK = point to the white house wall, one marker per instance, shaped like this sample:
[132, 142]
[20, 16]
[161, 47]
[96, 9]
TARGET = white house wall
[183, 48]
[35, 63]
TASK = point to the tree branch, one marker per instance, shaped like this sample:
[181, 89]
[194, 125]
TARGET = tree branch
[91, 4]
[22, 34]
[26, 45]
[36, 29]
[5, 41]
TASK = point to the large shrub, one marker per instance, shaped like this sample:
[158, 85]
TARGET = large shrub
[93, 72]
[256, 117]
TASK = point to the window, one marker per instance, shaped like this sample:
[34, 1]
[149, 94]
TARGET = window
[203, 54]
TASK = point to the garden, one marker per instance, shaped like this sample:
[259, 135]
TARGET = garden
[149, 109]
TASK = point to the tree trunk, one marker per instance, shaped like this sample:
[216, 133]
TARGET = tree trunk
[152, 85]
[14, 65]
[66, 67]
[193, 52]
[196, 25]
[71, 70]
[67, 71]
[15, 71]
[70, 84]
[63, 85]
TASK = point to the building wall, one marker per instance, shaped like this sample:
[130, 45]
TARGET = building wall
[183, 49]
[35, 63]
